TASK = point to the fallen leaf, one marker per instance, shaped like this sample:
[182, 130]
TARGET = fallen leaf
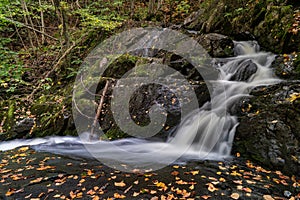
[211, 187]
[268, 197]
[174, 173]
[240, 182]
[119, 196]
[205, 196]
[135, 194]
[37, 180]
[247, 190]
[235, 196]
[120, 184]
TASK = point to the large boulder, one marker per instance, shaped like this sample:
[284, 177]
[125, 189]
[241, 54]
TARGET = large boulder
[269, 129]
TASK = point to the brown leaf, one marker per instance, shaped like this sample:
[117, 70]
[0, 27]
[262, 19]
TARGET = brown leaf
[174, 173]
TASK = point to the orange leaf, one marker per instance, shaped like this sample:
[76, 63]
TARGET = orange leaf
[119, 196]
[211, 187]
[247, 190]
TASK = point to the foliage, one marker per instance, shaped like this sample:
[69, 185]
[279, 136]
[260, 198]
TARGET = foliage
[11, 67]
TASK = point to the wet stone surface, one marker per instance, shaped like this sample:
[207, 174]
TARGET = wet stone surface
[27, 174]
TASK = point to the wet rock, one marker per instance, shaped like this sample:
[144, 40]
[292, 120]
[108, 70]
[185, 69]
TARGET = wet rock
[23, 126]
[169, 100]
[287, 194]
[216, 45]
[269, 128]
[247, 69]
[287, 66]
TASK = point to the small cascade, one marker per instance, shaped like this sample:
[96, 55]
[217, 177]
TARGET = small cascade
[207, 133]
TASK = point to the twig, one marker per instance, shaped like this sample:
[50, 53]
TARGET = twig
[54, 67]
[99, 109]
[25, 25]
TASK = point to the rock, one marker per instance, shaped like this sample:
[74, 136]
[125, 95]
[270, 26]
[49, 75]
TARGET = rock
[287, 66]
[23, 126]
[216, 45]
[148, 95]
[287, 194]
[269, 127]
[245, 72]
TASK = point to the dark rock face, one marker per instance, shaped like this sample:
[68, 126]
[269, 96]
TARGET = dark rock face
[270, 125]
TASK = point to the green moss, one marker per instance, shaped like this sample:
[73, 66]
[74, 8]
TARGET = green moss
[115, 133]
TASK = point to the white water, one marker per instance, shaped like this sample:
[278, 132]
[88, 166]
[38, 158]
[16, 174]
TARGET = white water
[206, 133]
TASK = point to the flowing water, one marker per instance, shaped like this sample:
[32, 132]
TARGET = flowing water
[207, 133]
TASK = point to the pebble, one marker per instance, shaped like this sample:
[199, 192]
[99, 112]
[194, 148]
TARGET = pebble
[287, 194]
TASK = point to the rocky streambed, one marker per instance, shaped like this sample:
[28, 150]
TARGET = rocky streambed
[27, 174]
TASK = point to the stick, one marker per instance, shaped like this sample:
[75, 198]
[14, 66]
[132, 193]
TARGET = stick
[100, 105]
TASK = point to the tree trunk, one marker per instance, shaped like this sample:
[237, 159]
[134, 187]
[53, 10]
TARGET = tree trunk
[43, 23]
[26, 22]
[24, 5]
[151, 8]
[132, 2]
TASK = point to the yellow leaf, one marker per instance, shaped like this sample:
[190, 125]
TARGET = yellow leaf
[120, 184]
[205, 197]
[195, 172]
[135, 194]
[294, 97]
[23, 149]
[222, 179]
[239, 187]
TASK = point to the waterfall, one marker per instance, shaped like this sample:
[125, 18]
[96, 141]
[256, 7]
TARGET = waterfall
[207, 133]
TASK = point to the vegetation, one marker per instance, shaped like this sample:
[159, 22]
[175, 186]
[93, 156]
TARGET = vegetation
[44, 42]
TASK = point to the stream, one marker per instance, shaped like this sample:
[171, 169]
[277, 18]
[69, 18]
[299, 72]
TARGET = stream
[205, 134]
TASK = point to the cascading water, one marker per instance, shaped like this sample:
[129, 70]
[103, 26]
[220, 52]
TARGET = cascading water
[206, 133]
